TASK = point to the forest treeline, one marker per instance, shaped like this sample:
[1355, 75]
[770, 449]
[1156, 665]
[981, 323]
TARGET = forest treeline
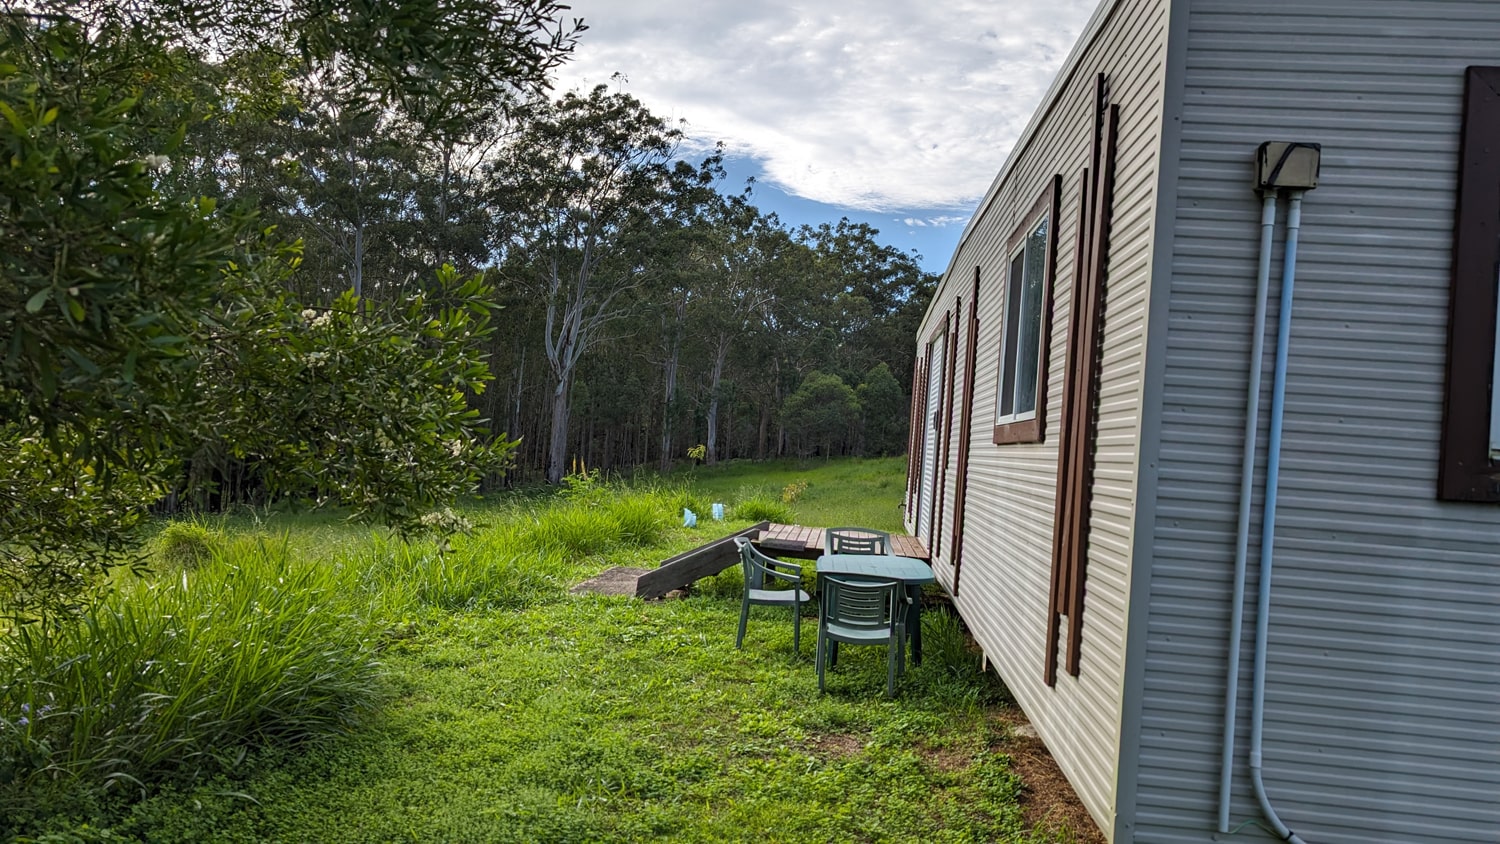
[646, 305]
[363, 254]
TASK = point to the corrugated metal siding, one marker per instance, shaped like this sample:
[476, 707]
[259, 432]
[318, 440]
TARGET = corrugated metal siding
[1012, 488]
[1383, 704]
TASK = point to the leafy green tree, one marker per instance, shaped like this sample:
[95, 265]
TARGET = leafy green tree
[823, 415]
[374, 398]
[884, 408]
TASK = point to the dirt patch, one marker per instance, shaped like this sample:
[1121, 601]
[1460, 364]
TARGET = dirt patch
[1047, 800]
[947, 760]
[837, 745]
[619, 580]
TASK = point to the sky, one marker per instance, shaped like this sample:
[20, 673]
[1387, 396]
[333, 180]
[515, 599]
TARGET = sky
[896, 113]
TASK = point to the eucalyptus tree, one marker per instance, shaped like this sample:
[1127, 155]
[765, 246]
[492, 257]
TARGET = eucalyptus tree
[743, 279]
[582, 186]
[874, 296]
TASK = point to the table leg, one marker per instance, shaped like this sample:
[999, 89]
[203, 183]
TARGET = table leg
[914, 622]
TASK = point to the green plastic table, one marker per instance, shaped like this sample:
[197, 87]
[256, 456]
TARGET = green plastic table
[913, 573]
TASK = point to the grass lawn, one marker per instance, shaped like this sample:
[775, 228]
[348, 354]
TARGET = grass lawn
[537, 715]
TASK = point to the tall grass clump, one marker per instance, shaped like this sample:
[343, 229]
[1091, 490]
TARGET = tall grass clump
[763, 508]
[684, 498]
[494, 569]
[184, 675]
[186, 545]
[642, 517]
[575, 530]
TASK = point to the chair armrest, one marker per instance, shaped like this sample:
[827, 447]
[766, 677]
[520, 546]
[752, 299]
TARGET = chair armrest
[789, 577]
[791, 568]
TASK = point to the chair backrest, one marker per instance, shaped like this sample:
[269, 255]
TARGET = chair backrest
[751, 564]
[865, 604]
[853, 540]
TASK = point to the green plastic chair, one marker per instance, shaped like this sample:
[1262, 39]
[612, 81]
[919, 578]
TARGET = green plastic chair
[862, 612]
[758, 567]
[856, 540]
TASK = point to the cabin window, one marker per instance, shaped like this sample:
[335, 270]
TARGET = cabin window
[1025, 324]
[1469, 467]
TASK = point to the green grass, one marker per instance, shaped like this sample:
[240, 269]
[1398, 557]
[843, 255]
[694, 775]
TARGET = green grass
[866, 492]
[473, 698]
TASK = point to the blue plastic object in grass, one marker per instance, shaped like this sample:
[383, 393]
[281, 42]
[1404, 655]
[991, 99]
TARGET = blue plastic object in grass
[718, 512]
[758, 569]
[689, 518]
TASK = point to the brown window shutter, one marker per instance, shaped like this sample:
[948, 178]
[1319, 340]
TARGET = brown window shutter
[1080, 394]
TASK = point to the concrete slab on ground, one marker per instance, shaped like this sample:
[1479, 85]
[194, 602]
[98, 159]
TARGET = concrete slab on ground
[619, 580]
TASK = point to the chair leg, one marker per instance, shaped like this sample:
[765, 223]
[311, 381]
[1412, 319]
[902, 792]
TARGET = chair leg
[833, 654]
[893, 653]
[900, 652]
[744, 617]
[819, 652]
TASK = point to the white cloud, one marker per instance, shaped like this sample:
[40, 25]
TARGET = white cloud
[934, 222]
[877, 105]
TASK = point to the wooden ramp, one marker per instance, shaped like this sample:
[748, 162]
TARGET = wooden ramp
[703, 561]
[776, 540]
[807, 543]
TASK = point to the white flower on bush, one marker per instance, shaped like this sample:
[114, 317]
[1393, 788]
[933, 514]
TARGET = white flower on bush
[456, 448]
[157, 162]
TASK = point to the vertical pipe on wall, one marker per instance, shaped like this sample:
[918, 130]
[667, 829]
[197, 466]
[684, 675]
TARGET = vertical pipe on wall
[1247, 486]
[1268, 520]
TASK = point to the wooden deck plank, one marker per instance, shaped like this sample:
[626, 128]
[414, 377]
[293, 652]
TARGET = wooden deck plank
[806, 542]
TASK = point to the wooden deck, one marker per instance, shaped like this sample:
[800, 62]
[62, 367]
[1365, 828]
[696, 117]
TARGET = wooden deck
[776, 540]
[807, 543]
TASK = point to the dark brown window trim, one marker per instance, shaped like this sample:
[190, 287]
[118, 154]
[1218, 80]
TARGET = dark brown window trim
[938, 346]
[1033, 430]
[947, 429]
[919, 438]
[1466, 472]
[911, 434]
[961, 494]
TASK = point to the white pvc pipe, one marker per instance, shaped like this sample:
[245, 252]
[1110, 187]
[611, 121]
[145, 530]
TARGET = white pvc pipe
[1247, 493]
[1268, 521]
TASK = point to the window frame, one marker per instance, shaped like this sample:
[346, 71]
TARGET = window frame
[1014, 428]
[1468, 468]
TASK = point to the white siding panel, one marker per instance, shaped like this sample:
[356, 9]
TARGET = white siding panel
[1383, 704]
[1003, 589]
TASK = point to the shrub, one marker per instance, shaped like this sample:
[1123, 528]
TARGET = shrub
[187, 545]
